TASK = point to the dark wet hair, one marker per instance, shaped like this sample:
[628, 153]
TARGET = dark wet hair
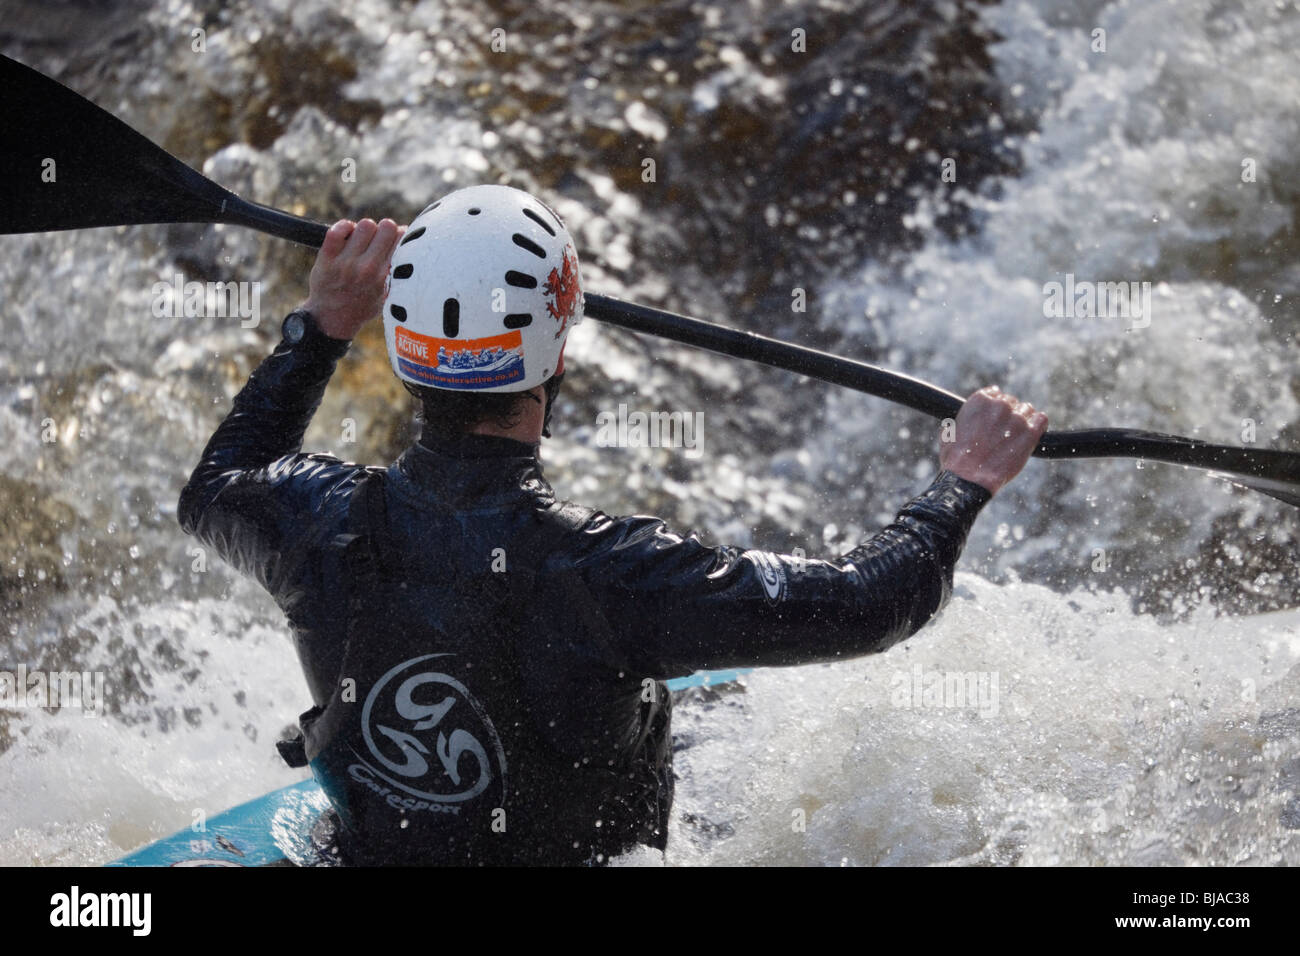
[447, 414]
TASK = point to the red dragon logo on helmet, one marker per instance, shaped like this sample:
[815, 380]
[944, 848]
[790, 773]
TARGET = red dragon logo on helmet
[562, 284]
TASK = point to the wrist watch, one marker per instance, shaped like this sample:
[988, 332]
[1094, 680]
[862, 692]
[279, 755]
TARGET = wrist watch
[295, 325]
[301, 331]
[303, 334]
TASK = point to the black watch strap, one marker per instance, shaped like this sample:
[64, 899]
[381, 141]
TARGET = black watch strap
[301, 332]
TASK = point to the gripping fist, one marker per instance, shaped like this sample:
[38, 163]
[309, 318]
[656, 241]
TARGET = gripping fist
[350, 277]
[995, 435]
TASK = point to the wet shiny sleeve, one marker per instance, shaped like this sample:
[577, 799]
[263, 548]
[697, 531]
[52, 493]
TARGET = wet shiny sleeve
[679, 606]
[254, 499]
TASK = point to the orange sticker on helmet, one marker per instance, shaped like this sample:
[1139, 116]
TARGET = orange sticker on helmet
[461, 363]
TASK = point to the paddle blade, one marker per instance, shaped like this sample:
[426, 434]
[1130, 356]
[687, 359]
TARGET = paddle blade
[67, 164]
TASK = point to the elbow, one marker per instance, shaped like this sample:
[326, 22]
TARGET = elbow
[186, 510]
[945, 593]
[902, 590]
[190, 505]
[934, 595]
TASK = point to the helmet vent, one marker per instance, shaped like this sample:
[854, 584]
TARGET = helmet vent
[450, 318]
[403, 271]
[412, 236]
[432, 206]
[474, 210]
[523, 242]
[518, 320]
[521, 280]
[398, 312]
[539, 220]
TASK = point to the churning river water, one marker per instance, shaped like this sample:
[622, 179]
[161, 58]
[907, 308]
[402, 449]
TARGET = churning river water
[1116, 679]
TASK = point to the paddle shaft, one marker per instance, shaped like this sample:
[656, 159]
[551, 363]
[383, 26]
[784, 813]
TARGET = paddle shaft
[241, 212]
[860, 376]
[913, 393]
[109, 174]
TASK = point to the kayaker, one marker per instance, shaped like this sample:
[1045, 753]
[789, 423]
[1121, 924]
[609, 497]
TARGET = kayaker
[486, 662]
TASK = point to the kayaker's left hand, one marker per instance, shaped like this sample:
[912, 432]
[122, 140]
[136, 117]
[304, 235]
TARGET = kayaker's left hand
[350, 277]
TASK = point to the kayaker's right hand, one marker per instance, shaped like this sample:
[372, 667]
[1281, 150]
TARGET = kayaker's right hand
[995, 435]
[350, 278]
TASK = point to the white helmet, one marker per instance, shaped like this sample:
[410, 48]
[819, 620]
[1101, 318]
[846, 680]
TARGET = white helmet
[483, 293]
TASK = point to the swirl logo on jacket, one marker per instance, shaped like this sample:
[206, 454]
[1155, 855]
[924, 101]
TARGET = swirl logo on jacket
[429, 736]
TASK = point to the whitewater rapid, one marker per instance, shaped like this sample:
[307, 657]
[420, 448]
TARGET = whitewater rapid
[1097, 700]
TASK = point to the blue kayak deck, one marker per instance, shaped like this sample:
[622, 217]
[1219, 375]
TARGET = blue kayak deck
[276, 829]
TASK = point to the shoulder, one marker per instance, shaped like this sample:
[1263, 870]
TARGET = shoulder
[600, 528]
[316, 482]
[616, 545]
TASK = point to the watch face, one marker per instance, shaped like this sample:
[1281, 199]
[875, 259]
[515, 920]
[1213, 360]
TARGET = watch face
[294, 328]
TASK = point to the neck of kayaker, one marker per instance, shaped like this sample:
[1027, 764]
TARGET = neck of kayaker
[529, 417]
[528, 427]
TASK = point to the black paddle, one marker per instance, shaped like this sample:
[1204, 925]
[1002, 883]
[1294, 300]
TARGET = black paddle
[67, 164]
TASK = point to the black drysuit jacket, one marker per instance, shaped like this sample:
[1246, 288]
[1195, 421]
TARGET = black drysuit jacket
[486, 662]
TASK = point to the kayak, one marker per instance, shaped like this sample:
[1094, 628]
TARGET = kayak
[286, 827]
[272, 830]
